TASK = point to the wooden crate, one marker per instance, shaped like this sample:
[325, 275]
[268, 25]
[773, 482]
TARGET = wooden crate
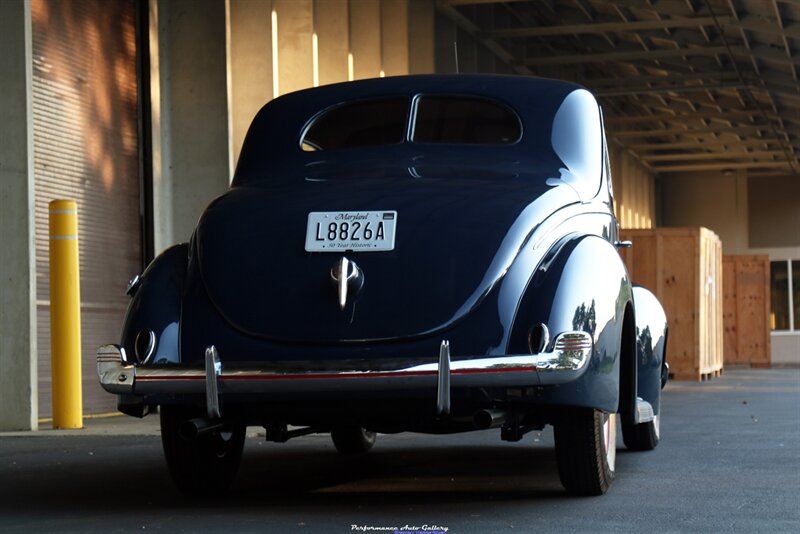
[746, 292]
[683, 268]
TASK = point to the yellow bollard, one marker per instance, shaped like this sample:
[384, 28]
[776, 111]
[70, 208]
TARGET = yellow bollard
[65, 315]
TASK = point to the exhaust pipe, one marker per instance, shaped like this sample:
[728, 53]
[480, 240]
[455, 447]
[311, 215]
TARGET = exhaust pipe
[193, 428]
[484, 419]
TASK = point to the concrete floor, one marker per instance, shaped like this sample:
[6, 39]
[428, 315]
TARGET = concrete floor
[729, 462]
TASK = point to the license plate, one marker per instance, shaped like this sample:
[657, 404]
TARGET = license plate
[357, 231]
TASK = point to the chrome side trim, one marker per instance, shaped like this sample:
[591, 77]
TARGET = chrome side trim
[213, 371]
[443, 375]
[569, 357]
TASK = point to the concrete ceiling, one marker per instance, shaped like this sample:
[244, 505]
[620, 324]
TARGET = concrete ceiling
[686, 85]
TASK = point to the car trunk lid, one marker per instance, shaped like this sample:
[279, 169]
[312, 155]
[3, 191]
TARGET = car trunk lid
[456, 234]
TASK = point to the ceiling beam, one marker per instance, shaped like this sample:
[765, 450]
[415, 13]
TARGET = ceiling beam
[723, 166]
[603, 27]
[700, 156]
[666, 89]
[626, 56]
[654, 146]
[683, 117]
[673, 8]
[788, 49]
[733, 130]
[786, 94]
[750, 23]
[474, 2]
[778, 79]
[758, 24]
[718, 77]
[765, 53]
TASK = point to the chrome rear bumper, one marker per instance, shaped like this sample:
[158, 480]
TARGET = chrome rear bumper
[570, 355]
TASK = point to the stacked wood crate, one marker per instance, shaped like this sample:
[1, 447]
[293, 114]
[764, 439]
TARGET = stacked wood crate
[683, 268]
[747, 307]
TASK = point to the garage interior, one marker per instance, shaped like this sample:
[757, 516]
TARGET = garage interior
[687, 86]
[701, 101]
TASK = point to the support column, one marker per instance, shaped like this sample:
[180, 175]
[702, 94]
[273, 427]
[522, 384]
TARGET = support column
[18, 391]
[332, 26]
[191, 144]
[249, 65]
[295, 56]
[420, 36]
[365, 38]
[394, 37]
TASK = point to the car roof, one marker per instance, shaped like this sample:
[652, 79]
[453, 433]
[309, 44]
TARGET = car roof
[272, 145]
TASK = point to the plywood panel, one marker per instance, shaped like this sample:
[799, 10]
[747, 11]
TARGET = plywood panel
[647, 260]
[710, 295]
[747, 305]
[682, 266]
[729, 318]
[752, 280]
[680, 296]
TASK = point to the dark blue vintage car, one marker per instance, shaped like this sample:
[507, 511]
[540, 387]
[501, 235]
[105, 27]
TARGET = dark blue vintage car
[426, 253]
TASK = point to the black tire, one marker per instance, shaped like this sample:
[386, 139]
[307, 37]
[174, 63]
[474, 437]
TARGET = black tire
[641, 437]
[205, 465]
[352, 439]
[586, 451]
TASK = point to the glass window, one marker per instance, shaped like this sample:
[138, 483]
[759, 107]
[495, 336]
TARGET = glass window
[365, 123]
[465, 120]
[796, 293]
[779, 275]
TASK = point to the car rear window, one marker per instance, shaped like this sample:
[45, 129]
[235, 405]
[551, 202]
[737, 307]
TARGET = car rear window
[358, 124]
[465, 120]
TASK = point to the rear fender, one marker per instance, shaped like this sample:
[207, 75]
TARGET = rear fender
[583, 287]
[651, 346]
[156, 306]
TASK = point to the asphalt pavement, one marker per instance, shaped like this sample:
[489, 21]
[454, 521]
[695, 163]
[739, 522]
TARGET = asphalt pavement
[729, 461]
